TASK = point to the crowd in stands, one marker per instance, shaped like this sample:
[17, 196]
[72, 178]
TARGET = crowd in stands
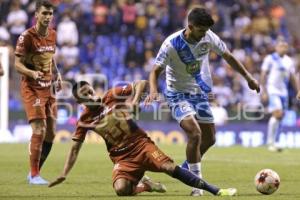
[120, 38]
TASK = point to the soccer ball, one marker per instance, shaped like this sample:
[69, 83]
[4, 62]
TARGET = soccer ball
[267, 181]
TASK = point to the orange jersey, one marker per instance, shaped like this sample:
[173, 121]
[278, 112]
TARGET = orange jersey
[38, 52]
[112, 121]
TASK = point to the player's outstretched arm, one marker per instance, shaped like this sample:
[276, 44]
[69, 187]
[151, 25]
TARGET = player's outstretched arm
[237, 66]
[263, 78]
[153, 79]
[70, 161]
[139, 88]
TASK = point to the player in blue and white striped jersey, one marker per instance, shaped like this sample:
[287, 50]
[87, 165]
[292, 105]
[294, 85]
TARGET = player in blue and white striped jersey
[276, 72]
[184, 57]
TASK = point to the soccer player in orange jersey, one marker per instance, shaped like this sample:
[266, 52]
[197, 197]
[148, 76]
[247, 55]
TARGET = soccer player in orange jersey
[34, 61]
[129, 147]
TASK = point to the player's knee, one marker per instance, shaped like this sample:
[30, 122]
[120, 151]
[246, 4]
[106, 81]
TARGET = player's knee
[194, 137]
[40, 130]
[123, 191]
[278, 114]
[123, 188]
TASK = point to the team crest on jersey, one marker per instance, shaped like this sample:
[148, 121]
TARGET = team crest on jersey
[193, 68]
[21, 39]
[204, 47]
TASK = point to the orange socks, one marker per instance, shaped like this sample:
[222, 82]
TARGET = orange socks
[35, 148]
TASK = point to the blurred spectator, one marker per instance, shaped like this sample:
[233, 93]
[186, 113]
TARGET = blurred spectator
[16, 20]
[114, 18]
[149, 61]
[4, 34]
[223, 93]
[129, 15]
[67, 30]
[100, 11]
[68, 56]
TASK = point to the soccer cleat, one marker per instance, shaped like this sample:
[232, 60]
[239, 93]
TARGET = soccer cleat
[154, 187]
[227, 192]
[274, 148]
[196, 192]
[38, 180]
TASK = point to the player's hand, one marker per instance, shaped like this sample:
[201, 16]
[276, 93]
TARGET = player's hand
[57, 181]
[37, 75]
[153, 96]
[253, 84]
[58, 85]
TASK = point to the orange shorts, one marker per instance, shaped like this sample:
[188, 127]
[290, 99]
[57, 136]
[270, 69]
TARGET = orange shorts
[145, 156]
[38, 103]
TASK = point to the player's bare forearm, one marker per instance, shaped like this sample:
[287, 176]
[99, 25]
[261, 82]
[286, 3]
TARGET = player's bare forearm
[263, 77]
[153, 77]
[70, 161]
[236, 65]
[72, 157]
[139, 88]
[55, 68]
[21, 68]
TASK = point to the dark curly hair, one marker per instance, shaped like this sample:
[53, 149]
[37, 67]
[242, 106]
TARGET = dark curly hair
[200, 17]
[77, 86]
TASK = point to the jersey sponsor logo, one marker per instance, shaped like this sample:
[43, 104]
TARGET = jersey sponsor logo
[46, 48]
[185, 55]
[44, 84]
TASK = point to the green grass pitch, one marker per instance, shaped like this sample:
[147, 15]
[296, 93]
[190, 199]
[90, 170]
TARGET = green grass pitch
[91, 176]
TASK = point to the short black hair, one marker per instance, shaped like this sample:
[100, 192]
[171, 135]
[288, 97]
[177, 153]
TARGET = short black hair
[45, 3]
[76, 87]
[200, 17]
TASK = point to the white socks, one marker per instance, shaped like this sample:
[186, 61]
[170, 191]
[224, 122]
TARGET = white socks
[196, 169]
[273, 127]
